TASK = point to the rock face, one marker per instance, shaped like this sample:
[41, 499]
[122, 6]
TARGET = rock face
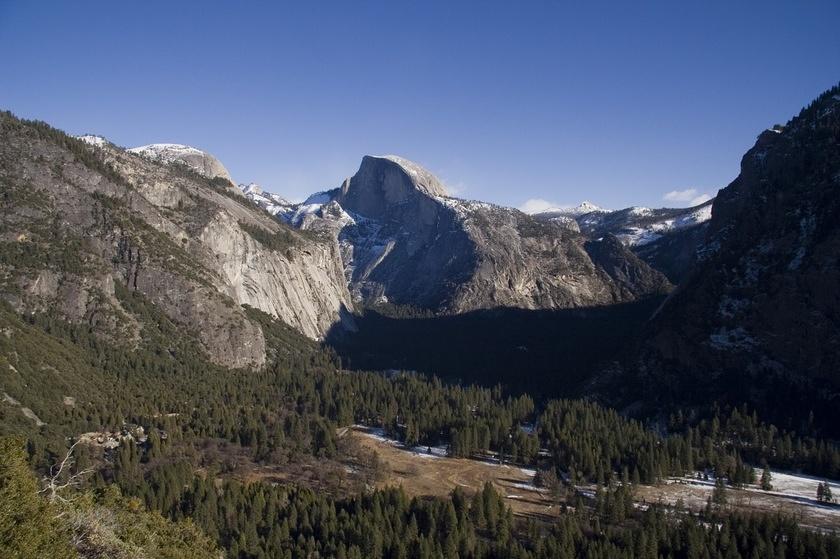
[666, 238]
[404, 245]
[83, 222]
[405, 241]
[201, 162]
[302, 285]
[759, 316]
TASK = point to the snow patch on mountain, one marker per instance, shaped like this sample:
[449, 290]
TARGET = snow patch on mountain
[93, 140]
[318, 198]
[251, 189]
[463, 208]
[167, 153]
[649, 232]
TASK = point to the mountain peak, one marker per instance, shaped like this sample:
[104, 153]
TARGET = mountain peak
[385, 183]
[251, 188]
[422, 179]
[585, 207]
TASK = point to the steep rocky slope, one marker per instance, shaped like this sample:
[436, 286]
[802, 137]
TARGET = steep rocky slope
[759, 317]
[404, 240]
[83, 220]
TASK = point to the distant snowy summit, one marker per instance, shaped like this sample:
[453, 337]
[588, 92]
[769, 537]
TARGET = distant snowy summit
[633, 226]
[585, 207]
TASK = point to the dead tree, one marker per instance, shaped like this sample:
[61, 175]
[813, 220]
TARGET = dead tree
[57, 480]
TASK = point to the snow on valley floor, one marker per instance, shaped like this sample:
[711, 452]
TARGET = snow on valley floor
[425, 471]
[378, 434]
[424, 451]
[793, 494]
[800, 485]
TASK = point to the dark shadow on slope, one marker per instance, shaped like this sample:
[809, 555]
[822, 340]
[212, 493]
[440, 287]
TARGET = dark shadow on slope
[543, 352]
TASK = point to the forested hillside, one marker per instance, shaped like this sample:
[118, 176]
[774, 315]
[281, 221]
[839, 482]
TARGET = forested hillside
[181, 422]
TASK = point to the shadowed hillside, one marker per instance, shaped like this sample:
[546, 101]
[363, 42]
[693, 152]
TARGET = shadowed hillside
[547, 353]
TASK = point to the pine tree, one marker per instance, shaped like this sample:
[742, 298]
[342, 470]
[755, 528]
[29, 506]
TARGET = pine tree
[766, 479]
[28, 525]
[719, 496]
[824, 494]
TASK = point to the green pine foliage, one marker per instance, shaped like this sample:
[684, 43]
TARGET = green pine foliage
[258, 520]
[84, 525]
[29, 525]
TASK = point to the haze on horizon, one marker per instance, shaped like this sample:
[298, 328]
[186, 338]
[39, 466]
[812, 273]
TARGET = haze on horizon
[521, 106]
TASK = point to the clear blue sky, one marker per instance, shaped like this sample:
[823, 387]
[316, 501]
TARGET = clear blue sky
[618, 103]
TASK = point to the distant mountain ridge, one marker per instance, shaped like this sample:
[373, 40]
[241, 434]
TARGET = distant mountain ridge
[404, 240]
[666, 238]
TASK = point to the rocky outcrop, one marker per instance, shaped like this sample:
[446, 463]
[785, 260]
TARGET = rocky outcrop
[299, 285]
[630, 276]
[83, 218]
[388, 187]
[404, 245]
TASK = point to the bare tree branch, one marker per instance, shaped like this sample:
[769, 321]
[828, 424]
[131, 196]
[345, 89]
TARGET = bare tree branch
[53, 483]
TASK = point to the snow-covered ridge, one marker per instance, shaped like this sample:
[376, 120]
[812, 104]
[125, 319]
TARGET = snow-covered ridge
[93, 140]
[585, 207]
[647, 233]
[272, 203]
[295, 214]
[166, 152]
[200, 161]
[462, 207]
[251, 189]
[634, 226]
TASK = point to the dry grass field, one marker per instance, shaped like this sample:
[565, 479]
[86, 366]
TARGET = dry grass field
[424, 474]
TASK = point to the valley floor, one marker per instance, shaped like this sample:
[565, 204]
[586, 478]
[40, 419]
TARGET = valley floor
[421, 472]
[792, 494]
[430, 473]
